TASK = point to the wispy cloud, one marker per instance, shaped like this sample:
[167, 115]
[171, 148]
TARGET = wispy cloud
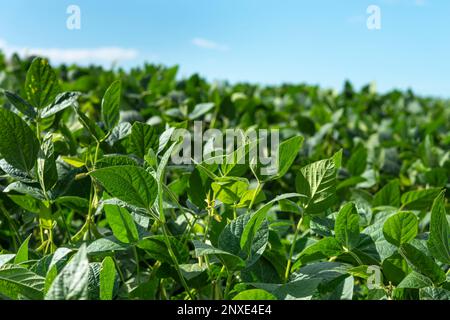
[208, 44]
[73, 55]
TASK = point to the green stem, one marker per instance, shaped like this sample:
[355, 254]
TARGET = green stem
[358, 260]
[291, 251]
[175, 261]
[136, 257]
[257, 190]
[228, 285]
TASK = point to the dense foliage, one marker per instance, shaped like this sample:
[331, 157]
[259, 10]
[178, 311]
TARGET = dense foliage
[91, 206]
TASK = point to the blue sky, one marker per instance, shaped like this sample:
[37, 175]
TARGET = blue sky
[318, 42]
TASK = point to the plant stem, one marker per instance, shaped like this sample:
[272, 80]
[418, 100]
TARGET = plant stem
[291, 251]
[228, 285]
[257, 190]
[136, 257]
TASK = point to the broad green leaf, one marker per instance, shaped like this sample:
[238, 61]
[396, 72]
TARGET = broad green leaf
[107, 279]
[287, 153]
[324, 248]
[6, 258]
[26, 202]
[438, 241]
[119, 132]
[105, 246]
[75, 203]
[198, 187]
[46, 164]
[346, 228]
[19, 175]
[231, 261]
[401, 228]
[94, 130]
[41, 84]
[156, 247]
[389, 195]
[73, 280]
[20, 104]
[111, 105]
[115, 160]
[258, 217]
[433, 293]
[23, 188]
[422, 263]
[419, 199]
[121, 223]
[131, 184]
[16, 282]
[231, 236]
[143, 137]
[62, 102]
[230, 191]
[18, 144]
[415, 280]
[357, 163]
[254, 294]
[201, 109]
[22, 253]
[318, 182]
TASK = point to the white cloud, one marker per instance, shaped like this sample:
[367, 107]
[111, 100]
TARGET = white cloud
[73, 55]
[208, 44]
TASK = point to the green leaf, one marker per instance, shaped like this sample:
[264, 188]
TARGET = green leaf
[111, 105]
[18, 144]
[20, 104]
[62, 102]
[401, 228]
[143, 137]
[107, 279]
[22, 253]
[17, 281]
[201, 109]
[156, 247]
[131, 184]
[357, 163]
[231, 236]
[287, 153]
[105, 246]
[419, 199]
[438, 241]
[115, 160]
[389, 195]
[258, 217]
[422, 263]
[41, 84]
[73, 280]
[255, 294]
[121, 223]
[433, 293]
[415, 280]
[324, 248]
[230, 191]
[318, 182]
[231, 261]
[346, 228]
[93, 129]
[46, 164]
